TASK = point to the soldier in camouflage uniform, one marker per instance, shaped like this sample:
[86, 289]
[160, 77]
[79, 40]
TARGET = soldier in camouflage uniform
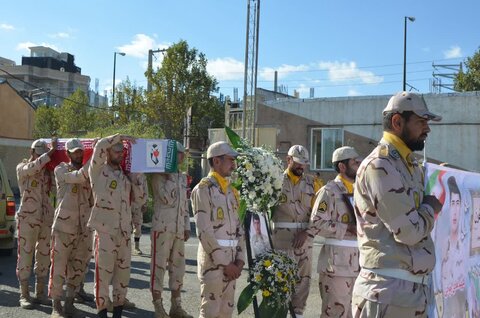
[34, 221]
[290, 221]
[71, 238]
[111, 218]
[170, 231]
[395, 217]
[333, 218]
[222, 244]
[138, 209]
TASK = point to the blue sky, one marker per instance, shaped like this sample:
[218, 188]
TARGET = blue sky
[339, 47]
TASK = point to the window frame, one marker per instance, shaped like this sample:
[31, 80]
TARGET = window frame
[313, 166]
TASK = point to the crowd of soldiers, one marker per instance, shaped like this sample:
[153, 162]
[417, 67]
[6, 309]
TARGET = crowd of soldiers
[374, 218]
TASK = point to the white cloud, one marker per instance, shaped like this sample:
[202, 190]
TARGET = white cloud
[24, 46]
[140, 45]
[268, 73]
[453, 52]
[60, 35]
[6, 26]
[353, 92]
[226, 68]
[348, 72]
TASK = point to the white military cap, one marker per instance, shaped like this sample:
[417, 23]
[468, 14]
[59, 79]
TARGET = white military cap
[344, 153]
[299, 154]
[40, 147]
[73, 145]
[406, 101]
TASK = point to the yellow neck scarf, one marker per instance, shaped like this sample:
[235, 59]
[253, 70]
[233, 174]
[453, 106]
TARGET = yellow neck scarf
[222, 182]
[348, 185]
[398, 143]
[293, 178]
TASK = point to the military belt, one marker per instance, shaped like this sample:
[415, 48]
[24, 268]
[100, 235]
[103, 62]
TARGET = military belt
[289, 225]
[344, 243]
[227, 243]
[399, 274]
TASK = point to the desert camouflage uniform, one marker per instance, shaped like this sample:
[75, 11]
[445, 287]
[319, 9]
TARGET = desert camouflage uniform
[337, 265]
[140, 182]
[111, 219]
[393, 233]
[34, 218]
[71, 238]
[169, 223]
[295, 207]
[216, 219]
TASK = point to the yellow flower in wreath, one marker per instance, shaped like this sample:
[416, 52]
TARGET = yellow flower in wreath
[265, 293]
[279, 275]
[267, 263]
[285, 289]
[258, 278]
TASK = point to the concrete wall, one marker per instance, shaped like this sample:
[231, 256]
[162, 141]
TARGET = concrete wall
[454, 140]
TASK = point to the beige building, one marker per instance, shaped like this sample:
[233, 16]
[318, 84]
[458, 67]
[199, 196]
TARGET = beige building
[16, 128]
[55, 73]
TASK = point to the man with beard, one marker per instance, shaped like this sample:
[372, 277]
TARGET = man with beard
[71, 238]
[111, 218]
[221, 253]
[34, 221]
[334, 219]
[395, 217]
[170, 230]
[290, 221]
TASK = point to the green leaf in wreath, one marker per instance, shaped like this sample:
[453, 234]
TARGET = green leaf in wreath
[242, 211]
[245, 298]
[233, 137]
[272, 312]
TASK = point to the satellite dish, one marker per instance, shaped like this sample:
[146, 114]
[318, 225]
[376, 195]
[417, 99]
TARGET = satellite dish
[62, 69]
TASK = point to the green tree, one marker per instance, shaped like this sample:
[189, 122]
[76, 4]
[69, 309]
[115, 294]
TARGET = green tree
[182, 82]
[130, 103]
[75, 115]
[46, 122]
[469, 80]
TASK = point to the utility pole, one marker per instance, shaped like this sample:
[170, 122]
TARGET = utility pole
[150, 58]
[251, 65]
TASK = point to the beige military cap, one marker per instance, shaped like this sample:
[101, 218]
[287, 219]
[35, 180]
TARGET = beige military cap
[220, 148]
[299, 154]
[344, 153]
[406, 101]
[73, 145]
[40, 147]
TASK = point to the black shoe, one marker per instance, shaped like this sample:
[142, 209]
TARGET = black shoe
[117, 312]
[102, 313]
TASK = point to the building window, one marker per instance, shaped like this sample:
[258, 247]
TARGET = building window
[323, 142]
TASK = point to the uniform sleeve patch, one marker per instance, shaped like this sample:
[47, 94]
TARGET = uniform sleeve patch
[113, 184]
[322, 207]
[345, 218]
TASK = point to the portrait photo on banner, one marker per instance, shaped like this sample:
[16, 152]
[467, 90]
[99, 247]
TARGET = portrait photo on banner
[258, 234]
[456, 233]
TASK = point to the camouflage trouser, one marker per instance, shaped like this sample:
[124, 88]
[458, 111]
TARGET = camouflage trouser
[137, 220]
[112, 265]
[336, 293]
[70, 255]
[33, 238]
[303, 256]
[363, 308]
[217, 295]
[168, 253]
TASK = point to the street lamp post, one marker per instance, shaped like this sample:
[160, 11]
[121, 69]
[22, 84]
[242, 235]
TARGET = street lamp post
[405, 52]
[114, 64]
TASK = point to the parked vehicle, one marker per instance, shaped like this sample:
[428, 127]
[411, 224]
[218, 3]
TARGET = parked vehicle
[7, 214]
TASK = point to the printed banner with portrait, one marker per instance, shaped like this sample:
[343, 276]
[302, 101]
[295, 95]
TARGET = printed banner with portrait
[456, 277]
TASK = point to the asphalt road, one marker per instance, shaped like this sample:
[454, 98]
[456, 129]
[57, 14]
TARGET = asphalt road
[138, 292]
